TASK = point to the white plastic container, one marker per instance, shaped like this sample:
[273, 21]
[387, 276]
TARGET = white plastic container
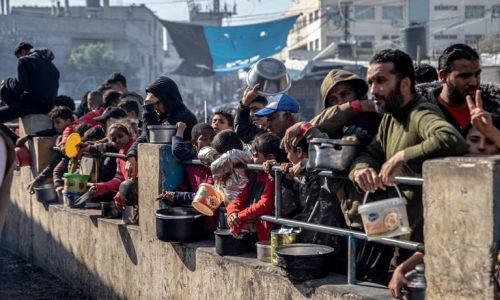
[385, 218]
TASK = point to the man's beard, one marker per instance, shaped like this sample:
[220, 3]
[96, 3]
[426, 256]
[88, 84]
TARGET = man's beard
[392, 102]
[455, 97]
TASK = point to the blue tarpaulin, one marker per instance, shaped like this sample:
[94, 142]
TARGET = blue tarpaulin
[209, 49]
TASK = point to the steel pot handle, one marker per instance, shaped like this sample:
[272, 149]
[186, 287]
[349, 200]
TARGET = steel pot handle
[325, 145]
[395, 186]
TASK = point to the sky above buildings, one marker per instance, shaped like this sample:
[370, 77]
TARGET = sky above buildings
[249, 11]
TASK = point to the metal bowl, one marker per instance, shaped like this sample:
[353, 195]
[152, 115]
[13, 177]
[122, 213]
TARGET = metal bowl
[161, 134]
[272, 76]
[45, 193]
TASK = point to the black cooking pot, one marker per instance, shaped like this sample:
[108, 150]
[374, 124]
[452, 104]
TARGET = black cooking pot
[304, 261]
[226, 244]
[179, 224]
[110, 211]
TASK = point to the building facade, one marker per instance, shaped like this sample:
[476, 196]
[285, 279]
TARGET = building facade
[134, 33]
[461, 22]
[369, 25]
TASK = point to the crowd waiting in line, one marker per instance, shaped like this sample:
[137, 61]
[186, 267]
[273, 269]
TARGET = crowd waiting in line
[413, 114]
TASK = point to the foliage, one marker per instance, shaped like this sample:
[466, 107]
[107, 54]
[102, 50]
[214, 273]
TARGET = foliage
[96, 60]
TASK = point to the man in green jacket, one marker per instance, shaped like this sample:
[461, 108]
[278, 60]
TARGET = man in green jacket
[411, 131]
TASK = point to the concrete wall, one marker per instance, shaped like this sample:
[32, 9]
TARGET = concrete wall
[110, 260]
[462, 226]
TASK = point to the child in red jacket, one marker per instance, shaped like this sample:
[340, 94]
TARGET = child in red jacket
[121, 138]
[257, 198]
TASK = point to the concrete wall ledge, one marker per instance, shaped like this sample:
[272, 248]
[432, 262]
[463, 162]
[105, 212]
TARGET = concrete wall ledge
[110, 260]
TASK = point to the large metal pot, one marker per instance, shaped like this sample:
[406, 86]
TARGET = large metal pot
[331, 154]
[179, 224]
[226, 244]
[161, 134]
[304, 261]
[272, 76]
[46, 193]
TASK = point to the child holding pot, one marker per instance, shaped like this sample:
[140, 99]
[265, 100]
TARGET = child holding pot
[257, 198]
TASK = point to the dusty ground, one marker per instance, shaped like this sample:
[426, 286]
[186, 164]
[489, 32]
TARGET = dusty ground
[20, 280]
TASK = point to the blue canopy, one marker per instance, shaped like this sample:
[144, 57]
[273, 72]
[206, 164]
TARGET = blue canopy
[209, 49]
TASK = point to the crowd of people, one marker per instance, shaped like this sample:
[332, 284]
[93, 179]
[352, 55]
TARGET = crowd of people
[401, 115]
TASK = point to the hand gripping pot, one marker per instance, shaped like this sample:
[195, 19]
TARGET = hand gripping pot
[331, 155]
[271, 75]
[207, 199]
[385, 218]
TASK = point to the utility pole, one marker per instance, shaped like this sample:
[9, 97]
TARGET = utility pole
[345, 13]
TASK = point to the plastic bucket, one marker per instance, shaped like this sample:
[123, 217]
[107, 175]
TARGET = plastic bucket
[75, 185]
[207, 199]
[264, 251]
[385, 218]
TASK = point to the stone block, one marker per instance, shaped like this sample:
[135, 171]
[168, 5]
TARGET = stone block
[41, 152]
[462, 226]
[31, 124]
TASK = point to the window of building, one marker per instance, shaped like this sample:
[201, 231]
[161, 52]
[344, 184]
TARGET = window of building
[364, 12]
[495, 11]
[311, 45]
[385, 37]
[472, 39]
[474, 11]
[316, 14]
[311, 18]
[316, 44]
[364, 38]
[392, 12]
[445, 36]
[445, 7]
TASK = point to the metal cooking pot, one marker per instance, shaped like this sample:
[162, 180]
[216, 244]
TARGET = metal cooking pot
[304, 261]
[161, 134]
[226, 244]
[331, 154]
[46, 193]
[272, 76]
[179, 224]
[129, 192]
[23, 157]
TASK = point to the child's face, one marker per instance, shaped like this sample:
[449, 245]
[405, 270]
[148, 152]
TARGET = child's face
[205, 139]
[60, 124]
[479, 144]
[259, 157]
[220, 123]
[118, 138]
[296, 156]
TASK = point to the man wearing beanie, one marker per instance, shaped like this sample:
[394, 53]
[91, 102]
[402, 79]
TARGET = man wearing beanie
[163, 104]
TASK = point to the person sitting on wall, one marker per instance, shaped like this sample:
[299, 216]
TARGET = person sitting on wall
[163, 104]
[36, 85]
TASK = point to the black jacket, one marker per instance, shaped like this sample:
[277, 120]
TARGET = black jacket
[37, 78]
[167, 91]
